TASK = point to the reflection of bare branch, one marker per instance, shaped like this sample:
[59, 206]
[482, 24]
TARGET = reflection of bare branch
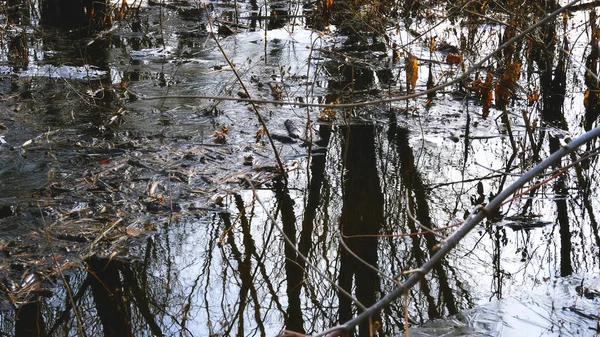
[478, 215]
[343, 244]
[400, 235]
[139, 296]
[289, 242]
[417, 222]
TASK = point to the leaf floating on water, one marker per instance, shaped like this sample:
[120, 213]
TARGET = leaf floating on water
[221, 135]
[132, 231]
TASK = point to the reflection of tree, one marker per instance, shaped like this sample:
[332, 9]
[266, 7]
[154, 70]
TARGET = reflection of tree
[67, 14]
[362, 214]
[29, 321]
[294, 272]
[111, 305]
[553, 84]
[560, 194]
[139, 293]
[244, 265]
[420, 208]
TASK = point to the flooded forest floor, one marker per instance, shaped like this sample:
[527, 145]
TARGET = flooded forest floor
[251, 169]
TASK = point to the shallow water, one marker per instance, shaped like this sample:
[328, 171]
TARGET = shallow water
[181, 236]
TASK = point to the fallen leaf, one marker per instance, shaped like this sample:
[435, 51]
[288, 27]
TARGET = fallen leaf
[132, 231]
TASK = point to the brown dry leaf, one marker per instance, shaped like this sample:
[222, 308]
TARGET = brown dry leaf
[487, 104]
[506, 83]
[132, 231]
[220, 136]
[260, 132]
[590, 99]
[112, 255]
[149, 227]
[396, 54]
[152, 189]
[502, 95]
[453, 59]
[596, 33]
[533, 97]
[486, 95]
[327, 115]
[432, 45]
[412, 72]
[477, 87]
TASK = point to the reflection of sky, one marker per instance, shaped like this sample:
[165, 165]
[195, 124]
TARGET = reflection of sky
[549, 310]
[189, 264]
[85, 72]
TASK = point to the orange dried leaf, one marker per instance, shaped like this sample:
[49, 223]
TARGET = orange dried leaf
[432, 45]
[412, 72]
[220, 136]
[488, 80]
[327, 115]
[506, 83]
[477, 87]
[487, 104]
[533, 97]
[502, 95]
[453, 59]
[396, 54]
[259, 133]
[486, 95]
